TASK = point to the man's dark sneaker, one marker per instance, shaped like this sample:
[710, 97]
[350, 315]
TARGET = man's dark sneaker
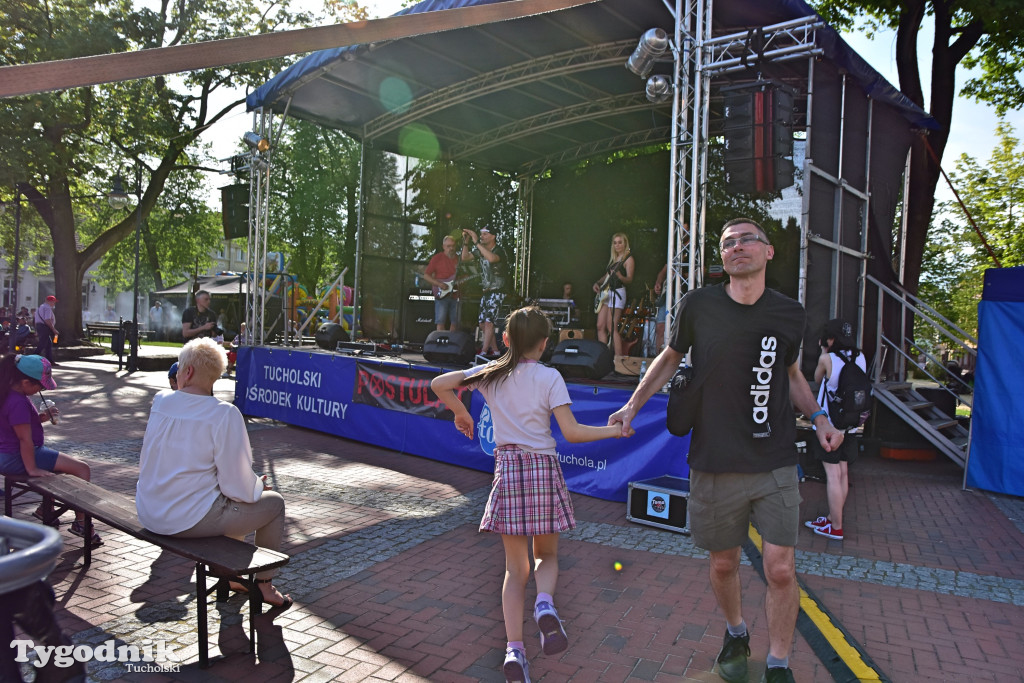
[777, 676]
[732, 660]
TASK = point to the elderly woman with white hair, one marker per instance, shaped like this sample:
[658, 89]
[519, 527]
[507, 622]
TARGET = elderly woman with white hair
[195, 470]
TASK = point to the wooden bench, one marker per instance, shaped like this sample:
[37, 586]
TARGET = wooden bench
[221, 557]
[100, 330]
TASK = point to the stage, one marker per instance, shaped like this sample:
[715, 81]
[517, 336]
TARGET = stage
[387, 401]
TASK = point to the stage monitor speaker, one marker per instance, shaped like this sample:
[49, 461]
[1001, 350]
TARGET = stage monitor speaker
[442, 346]
[328, 336]
[583, 358]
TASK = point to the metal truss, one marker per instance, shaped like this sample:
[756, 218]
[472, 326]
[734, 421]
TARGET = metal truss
[547, 67]
[259, 219]
[654, 136]
[794, 39]
[688, 136]
[549, 120]
[525, 236]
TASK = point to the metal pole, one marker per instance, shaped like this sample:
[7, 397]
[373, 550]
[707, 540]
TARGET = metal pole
[133, 354]
[17, 246]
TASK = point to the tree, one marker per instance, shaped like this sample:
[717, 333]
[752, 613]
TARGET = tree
[983, 34]
[314, 213]
[64, 146]
[176, 237]
[955, 259]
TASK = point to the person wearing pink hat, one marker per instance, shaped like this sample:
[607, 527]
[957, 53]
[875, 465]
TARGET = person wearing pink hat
[46, 328]
[21, 431]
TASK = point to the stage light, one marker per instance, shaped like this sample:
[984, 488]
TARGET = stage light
[659, 89]
[256, 142]
[653, 44]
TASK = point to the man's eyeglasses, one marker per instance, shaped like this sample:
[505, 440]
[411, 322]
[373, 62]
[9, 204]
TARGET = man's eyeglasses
[744, 240]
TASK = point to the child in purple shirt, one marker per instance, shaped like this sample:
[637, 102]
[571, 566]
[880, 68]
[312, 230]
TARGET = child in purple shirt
[21, 431]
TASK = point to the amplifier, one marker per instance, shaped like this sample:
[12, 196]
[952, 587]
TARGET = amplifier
[418, 318]
[660, 502]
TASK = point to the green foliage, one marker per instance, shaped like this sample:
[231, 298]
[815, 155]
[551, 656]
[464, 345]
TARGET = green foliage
[68, 144]
[955, 259]
[316, 183]
[175, 240]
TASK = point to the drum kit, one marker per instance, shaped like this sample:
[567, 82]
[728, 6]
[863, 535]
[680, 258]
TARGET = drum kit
[638, 322]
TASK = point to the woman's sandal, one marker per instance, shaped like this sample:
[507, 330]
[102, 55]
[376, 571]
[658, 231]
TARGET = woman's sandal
[238, 587]
[288, 602]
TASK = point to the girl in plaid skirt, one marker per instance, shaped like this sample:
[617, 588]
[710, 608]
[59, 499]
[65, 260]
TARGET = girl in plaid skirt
[528, 497]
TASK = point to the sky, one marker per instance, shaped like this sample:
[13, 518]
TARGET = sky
[973, 128]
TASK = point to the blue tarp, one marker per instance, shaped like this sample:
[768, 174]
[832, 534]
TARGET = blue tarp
[996, 461]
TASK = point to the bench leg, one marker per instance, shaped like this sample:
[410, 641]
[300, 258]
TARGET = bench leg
[88, 539]
[255, 608]
[204, 635]
[8, 492]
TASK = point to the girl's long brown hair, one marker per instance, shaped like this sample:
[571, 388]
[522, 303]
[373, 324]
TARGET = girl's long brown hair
[525, 328]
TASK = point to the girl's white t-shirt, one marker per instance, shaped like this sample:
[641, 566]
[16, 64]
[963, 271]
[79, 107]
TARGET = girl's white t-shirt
[521, 405]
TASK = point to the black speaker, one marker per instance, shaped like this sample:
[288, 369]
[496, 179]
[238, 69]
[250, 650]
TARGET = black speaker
[584, 358]
[234, 211]
[328, 336]
[456, 348]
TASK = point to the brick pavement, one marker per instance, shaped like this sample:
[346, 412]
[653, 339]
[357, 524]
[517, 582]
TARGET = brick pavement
[393, 583]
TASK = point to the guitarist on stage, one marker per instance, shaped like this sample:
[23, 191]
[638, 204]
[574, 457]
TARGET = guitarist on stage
[611, 291]
[440, 273]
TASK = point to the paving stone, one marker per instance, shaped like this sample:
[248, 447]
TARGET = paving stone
[393, 582]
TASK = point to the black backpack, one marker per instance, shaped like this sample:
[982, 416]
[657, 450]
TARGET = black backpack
[850, 406]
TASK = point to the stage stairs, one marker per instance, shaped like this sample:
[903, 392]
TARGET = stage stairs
[943, 431]
[931, 345]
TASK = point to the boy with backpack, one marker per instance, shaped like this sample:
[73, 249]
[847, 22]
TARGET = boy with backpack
[844, 394]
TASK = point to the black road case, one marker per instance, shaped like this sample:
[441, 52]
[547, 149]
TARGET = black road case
[660, 502]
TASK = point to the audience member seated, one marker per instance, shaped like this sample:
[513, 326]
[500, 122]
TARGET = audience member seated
[195, 469]
[21, 432]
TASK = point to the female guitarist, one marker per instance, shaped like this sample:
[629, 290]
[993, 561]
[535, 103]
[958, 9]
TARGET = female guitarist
[611, 291]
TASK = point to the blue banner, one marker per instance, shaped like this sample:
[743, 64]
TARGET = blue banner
[316, 390]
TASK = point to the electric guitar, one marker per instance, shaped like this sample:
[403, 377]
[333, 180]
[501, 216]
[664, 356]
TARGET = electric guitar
[604, 288]
[449, 286]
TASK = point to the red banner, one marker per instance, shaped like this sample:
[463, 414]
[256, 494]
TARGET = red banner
[403, 389]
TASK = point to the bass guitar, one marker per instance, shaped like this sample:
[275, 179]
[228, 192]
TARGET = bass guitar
[604, 287]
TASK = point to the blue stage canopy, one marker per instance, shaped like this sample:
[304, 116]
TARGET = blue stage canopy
[518, 95]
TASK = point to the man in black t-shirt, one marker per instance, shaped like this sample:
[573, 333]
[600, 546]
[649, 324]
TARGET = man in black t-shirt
[742, 451]
[199, 320]
[493, 279]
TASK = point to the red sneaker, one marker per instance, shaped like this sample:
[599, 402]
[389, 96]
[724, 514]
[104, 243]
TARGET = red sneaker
[816, 523]
[829, 532]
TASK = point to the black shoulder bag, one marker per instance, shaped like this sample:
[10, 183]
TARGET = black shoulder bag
[684, 399]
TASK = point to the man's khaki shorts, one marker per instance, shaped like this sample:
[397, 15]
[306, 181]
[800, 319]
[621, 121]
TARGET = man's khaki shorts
[722, 506]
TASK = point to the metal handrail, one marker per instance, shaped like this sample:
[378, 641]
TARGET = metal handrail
[942, 383]
[917, 309]
[922, 304]
[28, 553]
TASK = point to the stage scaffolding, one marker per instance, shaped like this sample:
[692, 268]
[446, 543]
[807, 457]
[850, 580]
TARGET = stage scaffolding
[835, 178]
